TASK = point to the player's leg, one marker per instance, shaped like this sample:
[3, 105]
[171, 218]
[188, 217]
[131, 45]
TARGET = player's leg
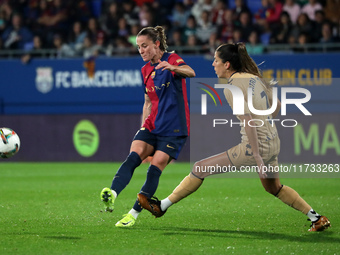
[188, 185]
[159, 162]
[290, 197]
[194, 180]
[139, 151]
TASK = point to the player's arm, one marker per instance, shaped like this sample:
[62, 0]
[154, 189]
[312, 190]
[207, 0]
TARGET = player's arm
[254, 143]
[184, 70]
[146, 108]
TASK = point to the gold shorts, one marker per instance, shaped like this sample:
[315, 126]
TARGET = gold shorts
[242, 155]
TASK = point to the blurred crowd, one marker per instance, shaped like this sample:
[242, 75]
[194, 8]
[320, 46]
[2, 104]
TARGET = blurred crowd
[104, 27]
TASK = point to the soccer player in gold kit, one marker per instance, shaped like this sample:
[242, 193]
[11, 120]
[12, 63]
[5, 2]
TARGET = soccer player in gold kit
[259, 147]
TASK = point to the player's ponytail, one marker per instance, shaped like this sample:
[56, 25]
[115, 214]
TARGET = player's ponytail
[247, 63]
[155, 34]
[162, 38]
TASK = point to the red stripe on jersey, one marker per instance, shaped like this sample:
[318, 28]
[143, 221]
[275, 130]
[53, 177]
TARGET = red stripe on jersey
[186, 104]
[150, 120]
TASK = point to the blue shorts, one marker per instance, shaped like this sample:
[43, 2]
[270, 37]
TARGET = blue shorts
[171, 145]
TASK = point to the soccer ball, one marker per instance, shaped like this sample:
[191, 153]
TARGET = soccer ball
[9, 143]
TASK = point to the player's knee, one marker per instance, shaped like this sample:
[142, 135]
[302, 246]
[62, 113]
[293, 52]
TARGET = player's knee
[160, 162]
[197, 170]
[272, 189]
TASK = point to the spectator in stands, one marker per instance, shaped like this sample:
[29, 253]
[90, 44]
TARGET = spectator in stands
[240, 6]
[320, 19]
[63, 49]
[2, 22]
[332, 11]
[89, 49]
[30, 14]
[275, 13]
[141, 2]
[54, 17]
[146, 16]
[205, 28]
[189, 4]
[254, 46]
[176, 38]
[282, 31]
[123, 46]
[179, 15]
[261, 14]
[109, 20]
[35, 52]
[123, 28]
[162, 11]
[100, 44]
[245, 25]
[133, 35]
[266, 34]
[130, 12]
[189, 29]
[93, 29]
[310, 8]
[218, 13]
[49, 17]
[327, 36]
[303, 25]
[303, 40]
[76, 37]
[200, 6]
[16, 36]
[293, 9]
[225, 31]
[268, 14]
[237, 36]
[80, 10]
[192, 43]
[7, 13]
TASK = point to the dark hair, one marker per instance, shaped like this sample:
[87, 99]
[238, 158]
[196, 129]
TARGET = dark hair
[155, 34]
[239, 59]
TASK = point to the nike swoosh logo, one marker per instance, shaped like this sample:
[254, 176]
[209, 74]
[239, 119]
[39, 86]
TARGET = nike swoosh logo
[126, 222]
[170, 146]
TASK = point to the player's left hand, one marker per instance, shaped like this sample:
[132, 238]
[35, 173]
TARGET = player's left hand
[262, 169]
[164, 65]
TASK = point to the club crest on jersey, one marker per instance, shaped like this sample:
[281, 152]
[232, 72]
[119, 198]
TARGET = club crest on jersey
[153, 74]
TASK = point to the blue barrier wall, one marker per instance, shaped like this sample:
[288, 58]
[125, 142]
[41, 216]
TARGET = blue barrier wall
[63, 86]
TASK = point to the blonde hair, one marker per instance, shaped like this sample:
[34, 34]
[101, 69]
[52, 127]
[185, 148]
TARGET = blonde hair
[155, 34]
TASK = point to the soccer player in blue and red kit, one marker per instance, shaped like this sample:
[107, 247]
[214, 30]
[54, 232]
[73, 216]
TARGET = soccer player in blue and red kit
[166, 119]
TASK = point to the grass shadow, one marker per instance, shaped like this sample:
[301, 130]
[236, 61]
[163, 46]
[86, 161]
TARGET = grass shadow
[324, 237]
[63, 237]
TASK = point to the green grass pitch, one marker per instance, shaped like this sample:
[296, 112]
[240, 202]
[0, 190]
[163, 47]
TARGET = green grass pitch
[54, 208]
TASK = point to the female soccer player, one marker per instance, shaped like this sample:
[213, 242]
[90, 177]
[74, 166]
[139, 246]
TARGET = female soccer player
[165, 126]
[260, 145]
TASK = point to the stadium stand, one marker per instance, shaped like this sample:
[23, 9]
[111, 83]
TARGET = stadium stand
[108, 27]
